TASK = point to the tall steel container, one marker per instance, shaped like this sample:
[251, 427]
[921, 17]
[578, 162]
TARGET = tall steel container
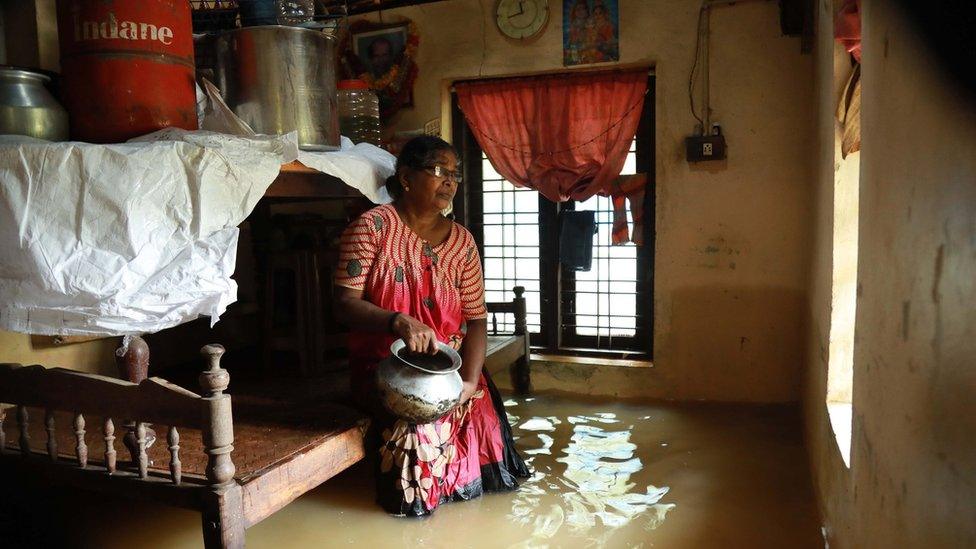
[282, 79]
[127, 67]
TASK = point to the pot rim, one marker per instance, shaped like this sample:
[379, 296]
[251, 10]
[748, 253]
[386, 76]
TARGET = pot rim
[443, 347]
[261, 28]
[8, 70]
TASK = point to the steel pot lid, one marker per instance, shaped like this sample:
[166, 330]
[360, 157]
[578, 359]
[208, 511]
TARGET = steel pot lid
[310, 31]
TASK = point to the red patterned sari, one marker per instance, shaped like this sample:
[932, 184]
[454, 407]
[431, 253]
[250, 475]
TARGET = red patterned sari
[469, 451]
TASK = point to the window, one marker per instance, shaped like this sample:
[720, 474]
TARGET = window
[840, 368]
[510, 250]
[603, 307]
[607, 309]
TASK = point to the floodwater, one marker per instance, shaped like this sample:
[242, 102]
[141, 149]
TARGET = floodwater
[606, 474]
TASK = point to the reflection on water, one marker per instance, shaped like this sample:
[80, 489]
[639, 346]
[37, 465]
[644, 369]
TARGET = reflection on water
[596, 494]
[538, 423]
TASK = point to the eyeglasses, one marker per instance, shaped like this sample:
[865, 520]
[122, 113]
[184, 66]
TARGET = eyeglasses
[441, 171]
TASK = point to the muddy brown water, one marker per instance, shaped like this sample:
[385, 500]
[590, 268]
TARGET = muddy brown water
[606, 474]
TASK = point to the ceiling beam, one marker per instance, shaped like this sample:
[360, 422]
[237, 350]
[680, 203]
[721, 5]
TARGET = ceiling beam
[357, 7]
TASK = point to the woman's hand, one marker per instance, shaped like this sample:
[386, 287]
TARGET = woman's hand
[419, 337]
[468, 389]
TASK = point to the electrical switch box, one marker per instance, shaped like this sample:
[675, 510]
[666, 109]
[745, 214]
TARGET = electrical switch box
[701, 148]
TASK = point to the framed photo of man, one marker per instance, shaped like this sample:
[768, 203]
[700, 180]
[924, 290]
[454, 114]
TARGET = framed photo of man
[384, 56]
[379, 50]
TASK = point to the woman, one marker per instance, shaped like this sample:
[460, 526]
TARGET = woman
[405, 271]
[604, 37]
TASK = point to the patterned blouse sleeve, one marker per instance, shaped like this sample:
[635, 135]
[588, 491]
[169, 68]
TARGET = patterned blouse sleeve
[357, 252]
[473, 286]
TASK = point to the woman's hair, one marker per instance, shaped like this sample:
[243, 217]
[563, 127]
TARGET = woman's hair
[418, 153]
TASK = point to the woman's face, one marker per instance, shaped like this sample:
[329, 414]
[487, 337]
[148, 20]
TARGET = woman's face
[427, 191]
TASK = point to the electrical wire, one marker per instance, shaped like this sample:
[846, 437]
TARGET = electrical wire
[484, 38]
[694, 67]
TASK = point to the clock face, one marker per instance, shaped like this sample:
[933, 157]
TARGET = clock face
[521, 18]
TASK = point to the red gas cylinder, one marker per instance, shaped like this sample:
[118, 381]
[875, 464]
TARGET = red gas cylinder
[127, 67]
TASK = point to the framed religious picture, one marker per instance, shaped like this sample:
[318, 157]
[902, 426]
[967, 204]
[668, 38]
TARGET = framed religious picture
[385, 57]
[378, 49]
[591, 31]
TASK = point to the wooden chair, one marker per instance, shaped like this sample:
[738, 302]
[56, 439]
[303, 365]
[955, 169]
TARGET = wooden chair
[510, 351]
[282, 449]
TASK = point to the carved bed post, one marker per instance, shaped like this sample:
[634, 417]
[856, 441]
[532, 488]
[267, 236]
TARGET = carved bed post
[520, 370]
[223, 516]
[132, 360]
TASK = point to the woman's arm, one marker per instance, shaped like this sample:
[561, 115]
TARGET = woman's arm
[472, 290]
[359, 314]
[473, 356]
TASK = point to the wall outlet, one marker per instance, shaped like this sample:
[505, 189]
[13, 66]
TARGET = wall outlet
[700, 148]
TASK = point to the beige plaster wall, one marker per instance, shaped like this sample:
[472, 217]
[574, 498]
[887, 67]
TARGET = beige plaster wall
[96, 357]
[913, 459]
[732, 240]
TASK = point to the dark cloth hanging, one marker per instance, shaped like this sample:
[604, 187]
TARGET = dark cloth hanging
[576, 239]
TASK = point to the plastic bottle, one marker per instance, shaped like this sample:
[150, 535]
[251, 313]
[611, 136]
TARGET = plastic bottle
[359, 112]
[295, 12]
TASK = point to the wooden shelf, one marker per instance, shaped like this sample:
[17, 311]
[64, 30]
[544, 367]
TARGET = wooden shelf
[297, 181]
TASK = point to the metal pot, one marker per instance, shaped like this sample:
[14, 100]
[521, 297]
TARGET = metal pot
[414, 393]
[282, 79]
[27, 108]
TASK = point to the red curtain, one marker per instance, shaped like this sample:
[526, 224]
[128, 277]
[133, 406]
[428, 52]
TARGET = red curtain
[847, 27]
[565, 135]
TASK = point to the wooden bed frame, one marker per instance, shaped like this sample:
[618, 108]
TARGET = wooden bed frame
[510, 351]
[281, 451]
[91, 432]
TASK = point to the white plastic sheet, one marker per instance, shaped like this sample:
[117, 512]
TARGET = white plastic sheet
[138, 237]
[362, 166]
[127, 238]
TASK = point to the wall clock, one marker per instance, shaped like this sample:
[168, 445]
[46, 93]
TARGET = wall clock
[521, 19]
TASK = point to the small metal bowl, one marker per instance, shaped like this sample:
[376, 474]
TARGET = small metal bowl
[416, 393]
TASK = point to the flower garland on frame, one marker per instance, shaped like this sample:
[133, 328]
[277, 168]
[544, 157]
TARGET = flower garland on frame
[395, 87]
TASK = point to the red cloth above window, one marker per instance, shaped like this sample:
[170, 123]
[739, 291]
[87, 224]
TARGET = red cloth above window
[565, 135]
[847, 27]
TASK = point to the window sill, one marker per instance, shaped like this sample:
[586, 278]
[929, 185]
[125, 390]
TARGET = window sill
[590, 360]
